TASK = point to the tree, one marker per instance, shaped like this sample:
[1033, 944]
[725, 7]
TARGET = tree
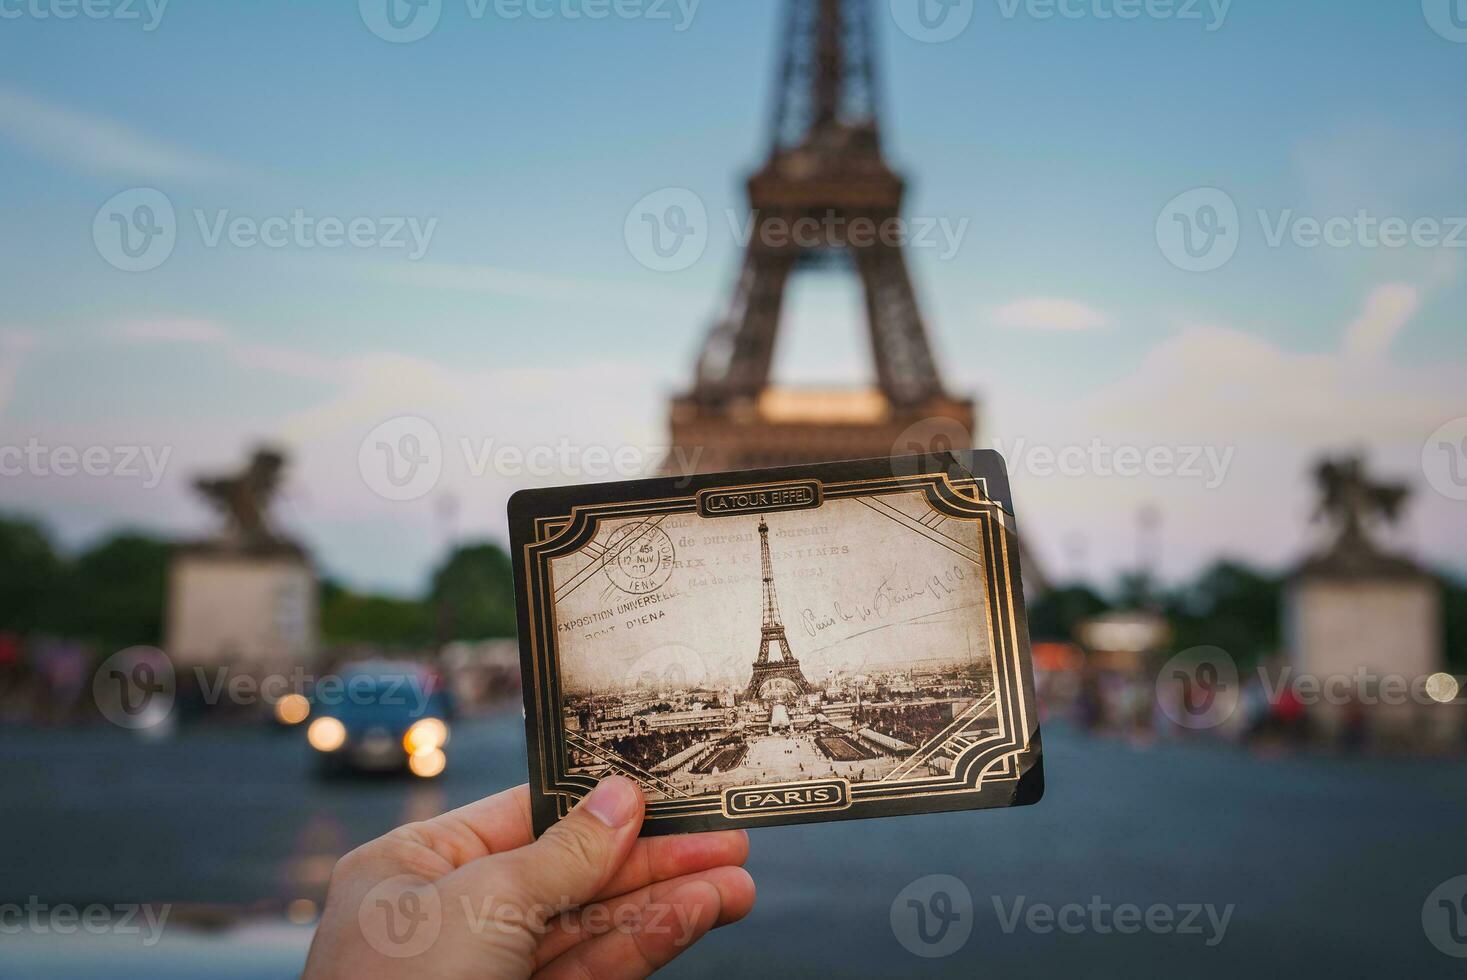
[1454, 611]
[473, 594]
[347, 617]
[32, 578]
[1056, 613]
[1230, 606]
[118, 591]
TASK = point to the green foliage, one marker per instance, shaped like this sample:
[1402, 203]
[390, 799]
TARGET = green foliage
[31, 578]
[1054, 615]
[111, 595]
[347, 617]
[1231, 606]
[1454, 611]
[117, 592]
[473, 593]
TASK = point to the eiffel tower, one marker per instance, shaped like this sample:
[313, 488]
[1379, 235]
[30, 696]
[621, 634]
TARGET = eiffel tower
[825, 169]
[787, 668]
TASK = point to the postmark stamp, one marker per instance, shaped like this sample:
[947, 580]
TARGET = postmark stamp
[640, 558]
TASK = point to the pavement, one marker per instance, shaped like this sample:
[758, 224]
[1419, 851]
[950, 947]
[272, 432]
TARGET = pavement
[1287, 865]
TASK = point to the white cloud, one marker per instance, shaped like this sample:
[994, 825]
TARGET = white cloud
[171, 331]
[14, 346]
[264, 357]
[1387, 311]
[1275, 409]
[96, 145]
[1048, 313]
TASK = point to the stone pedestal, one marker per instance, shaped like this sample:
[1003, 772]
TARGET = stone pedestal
[251, 609]
[1371, 633]
[1385, 626]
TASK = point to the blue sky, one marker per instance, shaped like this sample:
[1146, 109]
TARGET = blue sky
[525, 143]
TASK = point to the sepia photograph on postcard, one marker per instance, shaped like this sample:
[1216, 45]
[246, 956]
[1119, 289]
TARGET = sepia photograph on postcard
[813, 646]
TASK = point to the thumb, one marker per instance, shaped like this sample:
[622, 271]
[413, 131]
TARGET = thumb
[572, 860]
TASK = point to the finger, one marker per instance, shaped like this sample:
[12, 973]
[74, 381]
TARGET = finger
[660, 858]
[575, 858]
[630, 954]
[736, 899]
[451, 840]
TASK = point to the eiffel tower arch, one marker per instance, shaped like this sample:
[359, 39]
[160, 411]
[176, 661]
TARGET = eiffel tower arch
[824, 200]
[773, 678]
[827, 175]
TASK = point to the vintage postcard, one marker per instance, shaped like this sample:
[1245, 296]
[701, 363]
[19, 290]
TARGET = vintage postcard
[819, 642]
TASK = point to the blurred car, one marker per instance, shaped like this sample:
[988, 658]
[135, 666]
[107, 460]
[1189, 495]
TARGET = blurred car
[377, 719]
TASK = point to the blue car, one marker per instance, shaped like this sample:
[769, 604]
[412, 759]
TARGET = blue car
[377, 720]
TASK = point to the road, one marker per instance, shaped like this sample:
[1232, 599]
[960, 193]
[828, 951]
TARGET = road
[1325, 862]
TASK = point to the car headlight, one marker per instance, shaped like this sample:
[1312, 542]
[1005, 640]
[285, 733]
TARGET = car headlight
[326, 734]
[292, 709]
[425, 735]
[427, 763]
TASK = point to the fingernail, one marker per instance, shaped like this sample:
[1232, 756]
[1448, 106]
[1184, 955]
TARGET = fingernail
[613, 801]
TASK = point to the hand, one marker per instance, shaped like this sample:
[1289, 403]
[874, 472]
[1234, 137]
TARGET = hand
[473, 894]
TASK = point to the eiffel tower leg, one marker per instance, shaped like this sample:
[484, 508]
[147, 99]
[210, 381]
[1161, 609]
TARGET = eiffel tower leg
[737, 357]
[904, 363]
